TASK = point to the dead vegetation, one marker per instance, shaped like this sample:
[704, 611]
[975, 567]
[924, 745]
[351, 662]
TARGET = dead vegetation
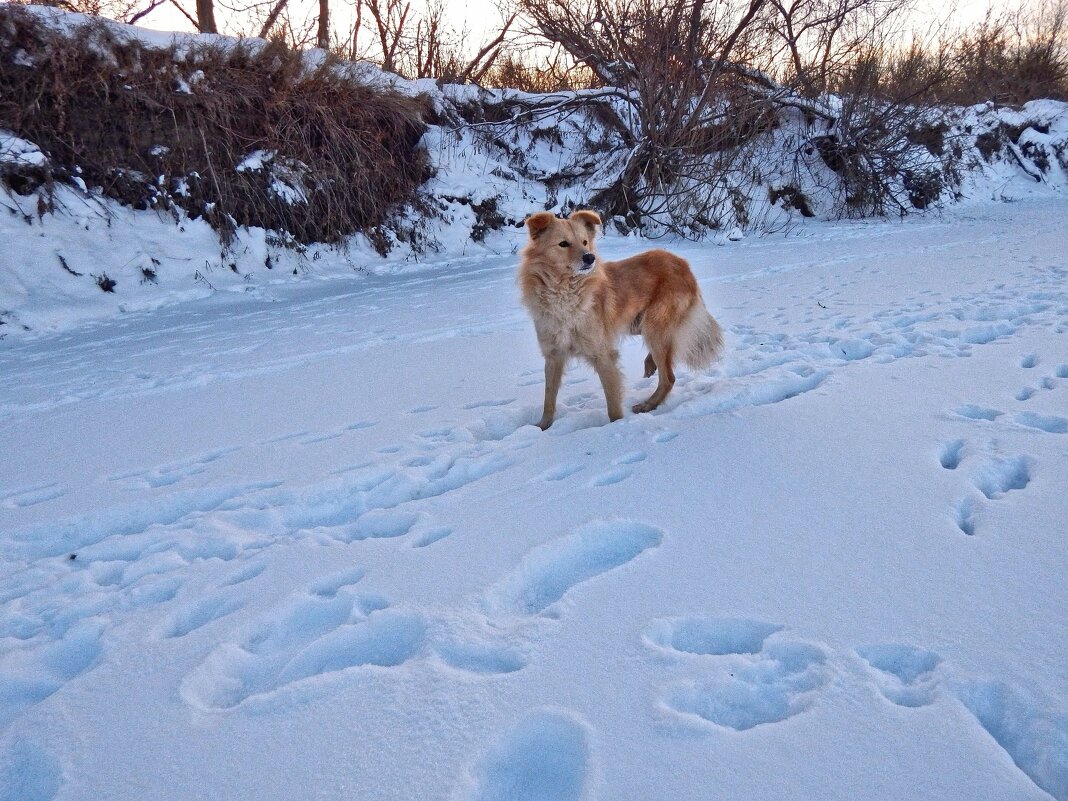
[169, 129]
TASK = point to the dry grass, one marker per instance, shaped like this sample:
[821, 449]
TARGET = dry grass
[162, 129]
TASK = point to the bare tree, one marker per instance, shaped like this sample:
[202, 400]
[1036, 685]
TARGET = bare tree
[389, 18]
[206, 16]
[677, 66]
[322, 34]
[425, 45]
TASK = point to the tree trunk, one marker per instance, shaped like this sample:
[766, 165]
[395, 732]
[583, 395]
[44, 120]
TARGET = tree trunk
[206, 16]
[322, 38]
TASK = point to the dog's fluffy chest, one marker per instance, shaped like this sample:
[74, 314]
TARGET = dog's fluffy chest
[565, 317]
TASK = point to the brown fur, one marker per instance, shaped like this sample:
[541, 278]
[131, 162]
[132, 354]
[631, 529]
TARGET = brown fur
[583, 310]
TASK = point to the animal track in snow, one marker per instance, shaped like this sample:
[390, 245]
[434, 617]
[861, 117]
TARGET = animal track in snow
[709, 636]
[489, 403]
[1035, 739]
[543, 757]
[997, 476]
[1051, 424]
[307, 635]
[774, 390]
[201, 612]
[481, 656]
[1029, 361]
[549, 571]
[965, 516]
[381, 523]
[28, 773]
[904, 674]
[613, 476]
[560, 472]
[972, 412]
[30, 496]
[244, 573]
[169, 474]
[631, 458]
[328, 586]
[29, 675]
[951, 454]
[430, 535]
[743, 681]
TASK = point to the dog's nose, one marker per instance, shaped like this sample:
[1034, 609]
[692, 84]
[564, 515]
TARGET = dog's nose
[588, 259]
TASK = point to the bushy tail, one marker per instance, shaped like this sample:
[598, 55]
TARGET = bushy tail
[700, 339]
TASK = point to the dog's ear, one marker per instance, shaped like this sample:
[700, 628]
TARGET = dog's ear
[538, 222]
[590, 219]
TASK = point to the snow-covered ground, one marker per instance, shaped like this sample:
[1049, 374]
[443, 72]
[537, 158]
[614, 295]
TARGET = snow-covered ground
[304, 542]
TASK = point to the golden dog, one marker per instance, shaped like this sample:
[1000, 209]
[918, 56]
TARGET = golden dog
[582, 306]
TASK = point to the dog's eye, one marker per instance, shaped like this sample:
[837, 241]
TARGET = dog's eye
[583, 243]
[565, 244]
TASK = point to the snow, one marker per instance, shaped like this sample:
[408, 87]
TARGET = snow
[276, 523]
[19, 152]
[305, 542]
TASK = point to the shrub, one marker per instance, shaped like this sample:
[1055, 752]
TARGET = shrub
[174, 128]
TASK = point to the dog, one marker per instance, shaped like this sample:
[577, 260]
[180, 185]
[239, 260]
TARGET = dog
[582, 306]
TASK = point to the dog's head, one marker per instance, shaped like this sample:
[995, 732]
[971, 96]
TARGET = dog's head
[565, 245]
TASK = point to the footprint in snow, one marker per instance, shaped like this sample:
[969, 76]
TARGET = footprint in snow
[489, 403]
[560, 472]
[28, 675]
[973, 412]
[904, 674]
[543, 577]
[1051, 424]
[740, 680]
[951, 454]
[543, 757]
[997, 476]
[199, 613]
[29, 773]
[965, 516]
[30, 496]
[550, 571]
[244, 573]
[167, 475]
[631, 458]
[327, 629]
[613, 476]
[1035, 739]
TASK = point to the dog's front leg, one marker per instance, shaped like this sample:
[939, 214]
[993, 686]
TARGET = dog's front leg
[607, 368]
[554, 371]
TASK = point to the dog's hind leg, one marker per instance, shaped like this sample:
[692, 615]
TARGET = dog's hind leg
[650, 365]
[660, 355]
[607, 368]
[554, 372]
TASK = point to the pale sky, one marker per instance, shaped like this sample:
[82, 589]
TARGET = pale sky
[481, 17]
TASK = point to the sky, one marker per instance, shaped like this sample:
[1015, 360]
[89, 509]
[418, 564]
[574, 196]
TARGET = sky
[481, 17]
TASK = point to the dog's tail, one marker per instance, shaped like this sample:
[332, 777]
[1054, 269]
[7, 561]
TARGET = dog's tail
[700, 339]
